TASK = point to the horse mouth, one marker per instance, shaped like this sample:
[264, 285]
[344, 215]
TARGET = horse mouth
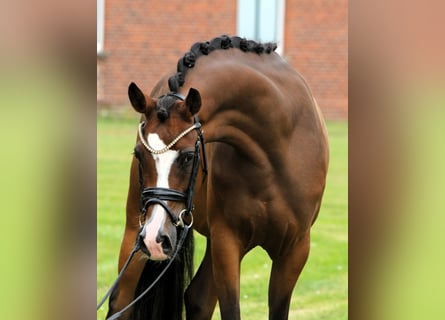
[166, 245]
[159, 249]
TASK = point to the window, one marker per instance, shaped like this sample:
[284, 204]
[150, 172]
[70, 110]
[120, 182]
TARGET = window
[100, 25]
[261, 20]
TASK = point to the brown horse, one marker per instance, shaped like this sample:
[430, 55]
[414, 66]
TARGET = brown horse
[266, 153]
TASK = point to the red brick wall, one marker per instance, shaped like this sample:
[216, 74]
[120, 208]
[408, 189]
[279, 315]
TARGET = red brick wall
[316, 44]
[144, 39]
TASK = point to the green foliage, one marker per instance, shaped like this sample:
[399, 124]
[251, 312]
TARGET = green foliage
[320, 293]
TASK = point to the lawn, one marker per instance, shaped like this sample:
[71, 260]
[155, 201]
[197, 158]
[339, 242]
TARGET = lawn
[322, 290]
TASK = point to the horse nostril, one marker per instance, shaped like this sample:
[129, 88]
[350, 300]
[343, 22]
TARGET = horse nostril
[167, 245]
[165, 242]
[141, 243]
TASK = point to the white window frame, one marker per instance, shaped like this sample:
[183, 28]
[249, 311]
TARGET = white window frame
[249, 20]
[100, 25]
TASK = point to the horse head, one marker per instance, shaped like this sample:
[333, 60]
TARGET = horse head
[167, 151]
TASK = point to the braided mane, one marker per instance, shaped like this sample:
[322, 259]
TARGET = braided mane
[204, 48]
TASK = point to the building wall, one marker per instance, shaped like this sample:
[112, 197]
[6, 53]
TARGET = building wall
[145, 39]
[316, 44]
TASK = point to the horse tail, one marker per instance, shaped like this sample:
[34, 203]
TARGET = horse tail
[166, 299]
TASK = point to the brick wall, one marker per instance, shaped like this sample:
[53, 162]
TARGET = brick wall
[316, 44]
[144, 40]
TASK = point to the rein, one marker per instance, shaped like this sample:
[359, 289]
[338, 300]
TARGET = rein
[178, 247]
[155, 195]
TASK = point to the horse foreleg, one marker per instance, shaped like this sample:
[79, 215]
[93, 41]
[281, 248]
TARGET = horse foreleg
[200, 297]
[226, 266]
[124, 292]
[286, 269]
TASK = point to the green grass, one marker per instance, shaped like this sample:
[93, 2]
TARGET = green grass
[320, 293]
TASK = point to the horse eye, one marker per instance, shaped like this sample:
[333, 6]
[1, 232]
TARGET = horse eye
[186, 159]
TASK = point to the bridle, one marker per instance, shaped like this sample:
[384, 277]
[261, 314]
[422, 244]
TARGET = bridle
[156, 195]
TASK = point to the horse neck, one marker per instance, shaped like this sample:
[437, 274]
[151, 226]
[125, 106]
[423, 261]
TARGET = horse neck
[237, 111]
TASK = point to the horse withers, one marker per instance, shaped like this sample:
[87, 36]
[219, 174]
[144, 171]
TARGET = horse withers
[234, 146]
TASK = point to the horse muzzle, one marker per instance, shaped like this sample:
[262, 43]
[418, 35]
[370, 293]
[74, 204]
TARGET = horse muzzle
[158, 238]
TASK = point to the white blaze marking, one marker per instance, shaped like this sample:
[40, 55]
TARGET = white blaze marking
[152, 227]
[163, 163]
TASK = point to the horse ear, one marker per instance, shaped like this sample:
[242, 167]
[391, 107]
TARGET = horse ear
[138, 99]
[193, 101]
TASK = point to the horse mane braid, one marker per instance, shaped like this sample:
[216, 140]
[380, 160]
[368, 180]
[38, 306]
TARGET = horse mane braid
[223, 42]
